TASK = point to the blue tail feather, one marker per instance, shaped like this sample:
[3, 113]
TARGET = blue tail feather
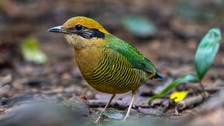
[158, 75]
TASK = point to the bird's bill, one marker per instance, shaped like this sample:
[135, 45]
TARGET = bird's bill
[58, 29]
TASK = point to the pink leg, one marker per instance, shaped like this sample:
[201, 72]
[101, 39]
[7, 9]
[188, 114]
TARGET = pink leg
[112, 97]
[134, 93]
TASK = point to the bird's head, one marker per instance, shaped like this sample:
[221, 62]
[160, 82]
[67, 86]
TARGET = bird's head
[81, 32]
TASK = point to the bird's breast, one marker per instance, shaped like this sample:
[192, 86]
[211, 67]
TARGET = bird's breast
[108, 71]
[88, 58]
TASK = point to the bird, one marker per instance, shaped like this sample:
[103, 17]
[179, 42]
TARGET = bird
[108, 63]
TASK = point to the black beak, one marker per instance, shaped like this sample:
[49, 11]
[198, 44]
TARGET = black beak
[58, 29]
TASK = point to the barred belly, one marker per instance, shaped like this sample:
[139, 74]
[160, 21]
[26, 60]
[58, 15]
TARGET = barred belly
[115, 74]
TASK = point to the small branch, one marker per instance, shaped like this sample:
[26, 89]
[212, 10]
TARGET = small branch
[101, 103]
[191, 101]
[203, 90]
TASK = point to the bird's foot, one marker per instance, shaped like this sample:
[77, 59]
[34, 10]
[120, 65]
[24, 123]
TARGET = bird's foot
[98, 119]
[124, 119]
[126, 116]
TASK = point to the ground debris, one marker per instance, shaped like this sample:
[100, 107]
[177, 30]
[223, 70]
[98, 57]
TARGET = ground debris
[211, 112]
[190, 101]
[101, 103]
[33, 107]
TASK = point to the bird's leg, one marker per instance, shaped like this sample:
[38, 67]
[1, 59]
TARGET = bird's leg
[134, 92]
[107, 105]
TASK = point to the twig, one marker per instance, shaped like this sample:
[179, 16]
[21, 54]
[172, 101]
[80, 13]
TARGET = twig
[203, 90]
[191, 101]
[102, 103]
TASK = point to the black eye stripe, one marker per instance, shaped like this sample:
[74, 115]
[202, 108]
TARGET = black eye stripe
[91, 33]
[85, 32]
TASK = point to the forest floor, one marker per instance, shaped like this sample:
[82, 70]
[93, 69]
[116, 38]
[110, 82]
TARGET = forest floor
[56, 93]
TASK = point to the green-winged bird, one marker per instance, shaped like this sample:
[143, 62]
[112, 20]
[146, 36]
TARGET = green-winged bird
[107, 63]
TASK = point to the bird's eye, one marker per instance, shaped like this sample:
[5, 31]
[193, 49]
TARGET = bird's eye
[78, 27]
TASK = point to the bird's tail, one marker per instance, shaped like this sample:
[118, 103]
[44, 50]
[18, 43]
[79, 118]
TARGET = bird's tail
[158, 75]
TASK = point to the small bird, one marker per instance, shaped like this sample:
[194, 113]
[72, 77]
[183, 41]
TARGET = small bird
[107, 63]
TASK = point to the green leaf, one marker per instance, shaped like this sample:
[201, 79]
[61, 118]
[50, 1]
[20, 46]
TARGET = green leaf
[185, 9]
[206, 51]
[139, 25]
[190, 11]
[185, 78]
[31, 51]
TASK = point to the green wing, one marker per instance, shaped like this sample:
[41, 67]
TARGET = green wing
[131, 53]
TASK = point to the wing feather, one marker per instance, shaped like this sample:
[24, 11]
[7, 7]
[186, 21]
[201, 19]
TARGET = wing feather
[131, 53]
